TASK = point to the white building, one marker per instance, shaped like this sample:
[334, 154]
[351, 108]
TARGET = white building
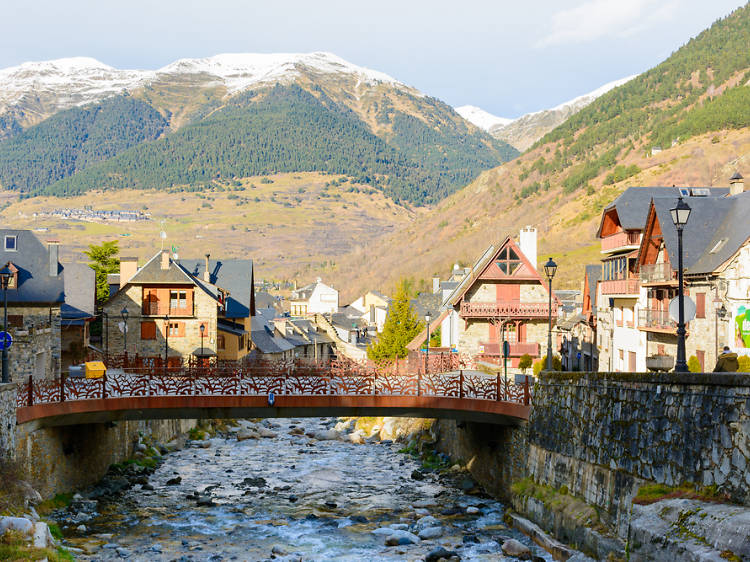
[316, 298]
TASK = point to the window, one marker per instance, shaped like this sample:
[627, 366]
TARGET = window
[241, 344]
[148, 330]
[221, 342]
[15, 320]
[700, 305]
[177, 299]
[11, 244]
[508, 261]
[176, 329]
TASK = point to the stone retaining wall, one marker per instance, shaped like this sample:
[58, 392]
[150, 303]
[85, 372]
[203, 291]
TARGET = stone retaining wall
[7, 420]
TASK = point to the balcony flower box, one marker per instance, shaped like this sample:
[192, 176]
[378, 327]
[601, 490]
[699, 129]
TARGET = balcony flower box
[662, 363]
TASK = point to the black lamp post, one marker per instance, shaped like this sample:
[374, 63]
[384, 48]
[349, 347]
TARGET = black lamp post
[680, 215]
[105, 335]
[721, 313]
[427, 319]
[166, 342]
[550, 268]
[202, 329]
[124, 314]
[5, 275]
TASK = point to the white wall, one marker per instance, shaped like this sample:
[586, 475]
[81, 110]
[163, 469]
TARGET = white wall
[449, 330]
[324, 299]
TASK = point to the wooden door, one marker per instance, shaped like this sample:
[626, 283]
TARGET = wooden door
[631, 361]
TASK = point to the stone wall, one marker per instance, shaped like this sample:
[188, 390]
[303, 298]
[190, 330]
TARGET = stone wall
[603, 435]
[36, 343]
[494, 454]
[7, 420]
[62, 459]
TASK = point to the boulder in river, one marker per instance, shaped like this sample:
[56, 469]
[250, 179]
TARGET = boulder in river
[397, 538]
[425, 522]
[441, 553]
[326, 435]
[244, 434]
[431, 533]
[174, 481]
[512, 547]
[417, 475]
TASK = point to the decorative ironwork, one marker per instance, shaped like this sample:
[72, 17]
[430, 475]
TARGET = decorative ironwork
[283, 378]
[509, 309]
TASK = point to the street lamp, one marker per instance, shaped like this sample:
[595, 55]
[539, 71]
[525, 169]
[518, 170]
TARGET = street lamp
[105, 335]
[427, 319]
[124, 314]
[5, 275]
[680, 215]
[721, 313]
[550, 268]
[166, 342]
[202, 329]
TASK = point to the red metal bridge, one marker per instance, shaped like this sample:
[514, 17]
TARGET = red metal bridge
[143, 390]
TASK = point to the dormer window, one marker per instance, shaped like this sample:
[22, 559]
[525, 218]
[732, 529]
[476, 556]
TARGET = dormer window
[11, 243]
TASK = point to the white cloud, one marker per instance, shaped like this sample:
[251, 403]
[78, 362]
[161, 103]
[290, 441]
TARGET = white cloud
[606, 18]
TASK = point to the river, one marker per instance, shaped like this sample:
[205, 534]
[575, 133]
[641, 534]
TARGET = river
[292, 497]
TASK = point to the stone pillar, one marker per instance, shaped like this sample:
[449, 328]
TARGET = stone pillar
[7, 420]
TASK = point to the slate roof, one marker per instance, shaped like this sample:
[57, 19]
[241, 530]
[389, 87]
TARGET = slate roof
[633, 204]
[80, 292]
[707, 218]
[427, 302]
[35, 284]
[153, 274]
[310, 332]
[594, 274]
[231, 327]
[234, 275]
[265, 337]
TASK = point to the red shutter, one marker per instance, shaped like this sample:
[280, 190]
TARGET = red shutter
[701, 355]
[148, 330]
[700, 305]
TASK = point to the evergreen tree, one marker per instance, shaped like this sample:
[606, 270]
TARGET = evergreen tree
[401, 326]
[103, 261]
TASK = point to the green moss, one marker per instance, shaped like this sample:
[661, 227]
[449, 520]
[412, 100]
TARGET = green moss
[57, 502]
[559, 502]
[729, 555]
[652, 493]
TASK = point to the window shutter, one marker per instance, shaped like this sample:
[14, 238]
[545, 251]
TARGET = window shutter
[148, 330]
[181, 329]
[190, 302]
[700, 305]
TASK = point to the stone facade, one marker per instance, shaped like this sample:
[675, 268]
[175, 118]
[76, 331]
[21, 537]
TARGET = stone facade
[624, 429]
[184, 344]
[36, 342]
[7, 420]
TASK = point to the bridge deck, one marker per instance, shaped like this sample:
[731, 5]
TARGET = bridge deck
[470, 396]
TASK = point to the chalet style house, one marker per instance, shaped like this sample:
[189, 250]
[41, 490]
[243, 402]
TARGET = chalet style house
[502, 298]
[194, 308]
[315, 298]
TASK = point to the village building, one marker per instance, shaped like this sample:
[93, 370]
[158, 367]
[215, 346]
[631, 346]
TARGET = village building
[372, 308]
[502, 298]
[187, 309]
[35, 295]
[77, 313]
[621, 342]
[716, 265]
[579, 350]
[315, 298]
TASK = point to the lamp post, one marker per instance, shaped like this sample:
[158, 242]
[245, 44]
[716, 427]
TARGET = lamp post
[124, 314]
[105, 335]
[166, 342]
[5, 275]
[427, 319]
[721, 313]
[680, 215]
[202, 329]
[550, 268]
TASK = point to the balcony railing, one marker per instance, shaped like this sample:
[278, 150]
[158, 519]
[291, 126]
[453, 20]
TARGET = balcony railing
[657, 273]
[509, 309]
[162, 309]
[621, 287]
[516, 349]
[621, 240]
[656, 319]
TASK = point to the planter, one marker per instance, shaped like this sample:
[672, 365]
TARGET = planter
[660, 363]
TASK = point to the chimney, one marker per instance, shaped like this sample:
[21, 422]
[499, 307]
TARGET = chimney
[527, 242]
[435, 285]
[54, 257]
[128, 268]
[736, 184]
[206, 274]
[165, 259]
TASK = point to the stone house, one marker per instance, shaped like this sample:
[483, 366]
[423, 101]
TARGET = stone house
[35, 295]
[168, 301]
[373, 309]
[77, 312]
[579, 351]
[503, 298]
[316, 298]
[621, 342]
[716, 265]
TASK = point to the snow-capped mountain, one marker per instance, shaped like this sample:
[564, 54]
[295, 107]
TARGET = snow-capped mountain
[481, 118]
[527, 129]
[32, 91]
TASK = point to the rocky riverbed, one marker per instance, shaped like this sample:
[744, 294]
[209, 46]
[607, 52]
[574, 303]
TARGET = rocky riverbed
[290, 490]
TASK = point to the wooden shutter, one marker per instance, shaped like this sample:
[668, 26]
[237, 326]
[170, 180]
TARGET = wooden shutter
[148, 330]
[700, 306]
[181, 329]
[701, 355]
[189, 305]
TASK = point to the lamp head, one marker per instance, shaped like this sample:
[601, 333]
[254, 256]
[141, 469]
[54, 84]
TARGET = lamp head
[680, 214]
[550, 268]
[124, 313]
[202, 328]
[5, 275]
[427, 318]
[722, 312]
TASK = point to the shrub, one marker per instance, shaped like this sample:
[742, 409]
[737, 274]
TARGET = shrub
[541, 365]
[694, 366]
[524, 362]
[744, 361]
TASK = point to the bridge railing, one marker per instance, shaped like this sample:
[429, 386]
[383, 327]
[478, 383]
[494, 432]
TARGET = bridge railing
[281, 378]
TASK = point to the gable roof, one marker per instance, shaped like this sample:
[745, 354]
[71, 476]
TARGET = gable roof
[265, 337]
[633, 204]
[233, 275]
[153, 274]
[35, 284]
[486, 260]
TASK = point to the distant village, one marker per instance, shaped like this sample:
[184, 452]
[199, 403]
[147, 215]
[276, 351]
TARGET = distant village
[90, 214]
[493, 316]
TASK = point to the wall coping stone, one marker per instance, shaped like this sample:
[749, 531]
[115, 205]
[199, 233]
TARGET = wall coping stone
[703, 379]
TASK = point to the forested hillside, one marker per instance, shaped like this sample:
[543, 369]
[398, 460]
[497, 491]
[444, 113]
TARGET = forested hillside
[73, 140]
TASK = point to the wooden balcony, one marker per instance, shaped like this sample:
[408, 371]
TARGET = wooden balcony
[162, 309]
[656, 320]
[621, 241]
[509, 309]
[657, 274]
[629, 287]
[516, 349]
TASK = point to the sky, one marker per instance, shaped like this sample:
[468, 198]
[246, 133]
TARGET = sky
[507, 57]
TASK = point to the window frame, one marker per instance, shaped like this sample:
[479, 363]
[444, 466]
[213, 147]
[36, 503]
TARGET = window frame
[13, 237]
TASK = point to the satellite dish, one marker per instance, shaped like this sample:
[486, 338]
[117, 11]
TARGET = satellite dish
[163, 235]
[674, 309]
